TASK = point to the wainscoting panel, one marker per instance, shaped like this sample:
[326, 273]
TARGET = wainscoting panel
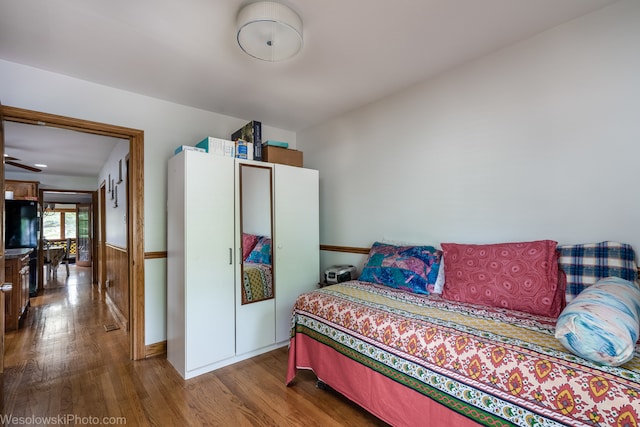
[118, 279]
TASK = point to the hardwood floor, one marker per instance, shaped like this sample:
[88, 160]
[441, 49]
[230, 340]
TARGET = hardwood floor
[63, 364]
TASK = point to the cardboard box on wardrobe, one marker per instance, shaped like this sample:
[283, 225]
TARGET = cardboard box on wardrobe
[284, 156]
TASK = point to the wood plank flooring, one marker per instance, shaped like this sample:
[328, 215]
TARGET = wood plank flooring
[63, 364]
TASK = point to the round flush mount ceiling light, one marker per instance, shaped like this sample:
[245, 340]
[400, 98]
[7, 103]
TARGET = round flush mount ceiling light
[269, 31]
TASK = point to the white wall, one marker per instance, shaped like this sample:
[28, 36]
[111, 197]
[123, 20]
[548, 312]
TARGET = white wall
[539, 140]
[116, 213]
[165, 125]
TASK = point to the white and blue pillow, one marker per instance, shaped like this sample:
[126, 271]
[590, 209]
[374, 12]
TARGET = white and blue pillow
[602, 323]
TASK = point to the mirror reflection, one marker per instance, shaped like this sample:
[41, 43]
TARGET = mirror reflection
[256, 229]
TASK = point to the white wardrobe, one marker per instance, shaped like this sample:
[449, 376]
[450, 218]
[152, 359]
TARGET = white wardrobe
[207, 325]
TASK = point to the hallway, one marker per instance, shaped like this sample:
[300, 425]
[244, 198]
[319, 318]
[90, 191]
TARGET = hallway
[62, 349]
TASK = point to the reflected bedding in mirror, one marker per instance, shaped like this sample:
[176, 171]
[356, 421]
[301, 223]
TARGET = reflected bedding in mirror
[257, 280]
[261, 253]
[257, 283]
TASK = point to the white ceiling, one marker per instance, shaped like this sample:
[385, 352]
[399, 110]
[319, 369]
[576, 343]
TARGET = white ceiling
[65, 152]
[355, 51]
[66, 197]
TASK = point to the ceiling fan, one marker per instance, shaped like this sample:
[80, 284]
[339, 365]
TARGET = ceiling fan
[13, 161]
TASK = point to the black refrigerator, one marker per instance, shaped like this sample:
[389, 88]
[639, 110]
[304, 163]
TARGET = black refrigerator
[21, 230]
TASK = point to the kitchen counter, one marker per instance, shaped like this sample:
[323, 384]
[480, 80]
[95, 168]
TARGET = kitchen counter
[16, 272]
[17, 253]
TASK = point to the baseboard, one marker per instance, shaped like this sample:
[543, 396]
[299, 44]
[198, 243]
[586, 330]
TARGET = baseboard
[230, 360]
[120, 318]
[155, 349]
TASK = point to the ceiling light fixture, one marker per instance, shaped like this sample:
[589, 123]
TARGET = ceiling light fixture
[269, 31]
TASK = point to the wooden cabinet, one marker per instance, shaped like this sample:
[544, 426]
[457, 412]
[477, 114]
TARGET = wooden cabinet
[16, 270]
[22, 190]
[207, 325]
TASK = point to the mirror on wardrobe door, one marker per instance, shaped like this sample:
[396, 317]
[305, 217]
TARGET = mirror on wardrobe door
[256, 227]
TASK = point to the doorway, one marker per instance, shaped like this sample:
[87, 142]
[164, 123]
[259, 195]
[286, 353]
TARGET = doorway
[135, 208]
[67, 219]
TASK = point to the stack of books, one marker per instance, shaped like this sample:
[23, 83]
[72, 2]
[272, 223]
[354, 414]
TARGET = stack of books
[218, 146]
[251, 133]
[246, 143]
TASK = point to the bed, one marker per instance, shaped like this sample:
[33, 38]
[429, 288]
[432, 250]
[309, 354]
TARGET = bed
[418, 358]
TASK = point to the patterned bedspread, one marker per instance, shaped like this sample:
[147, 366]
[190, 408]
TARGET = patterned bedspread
[494, 366]
[257, 282]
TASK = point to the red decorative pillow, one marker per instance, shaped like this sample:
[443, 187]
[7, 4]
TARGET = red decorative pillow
[520, 276]
[248, 243]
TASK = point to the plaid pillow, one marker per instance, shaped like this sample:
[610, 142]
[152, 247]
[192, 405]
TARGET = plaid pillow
[585, 264]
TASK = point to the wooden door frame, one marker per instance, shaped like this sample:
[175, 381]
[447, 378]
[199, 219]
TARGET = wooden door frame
[135, 209]
[101, 232]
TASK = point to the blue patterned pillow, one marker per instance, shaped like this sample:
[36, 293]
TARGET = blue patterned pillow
[261, 253]
[585, 264]
[602, 323]
[412, 268]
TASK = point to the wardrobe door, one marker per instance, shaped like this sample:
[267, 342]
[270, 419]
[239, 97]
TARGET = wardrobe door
[296, 240]
[255, 319]
[201, 271]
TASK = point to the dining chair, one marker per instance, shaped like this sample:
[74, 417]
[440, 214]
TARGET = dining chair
[47, 257]
[66, 256]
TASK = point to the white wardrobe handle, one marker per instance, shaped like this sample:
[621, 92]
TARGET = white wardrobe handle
[230, 256]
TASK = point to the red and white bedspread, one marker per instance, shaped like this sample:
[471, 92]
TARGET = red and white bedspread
[396, 353]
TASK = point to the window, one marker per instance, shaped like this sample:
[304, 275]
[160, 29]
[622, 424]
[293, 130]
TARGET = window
[59, 225]
[69, 225]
